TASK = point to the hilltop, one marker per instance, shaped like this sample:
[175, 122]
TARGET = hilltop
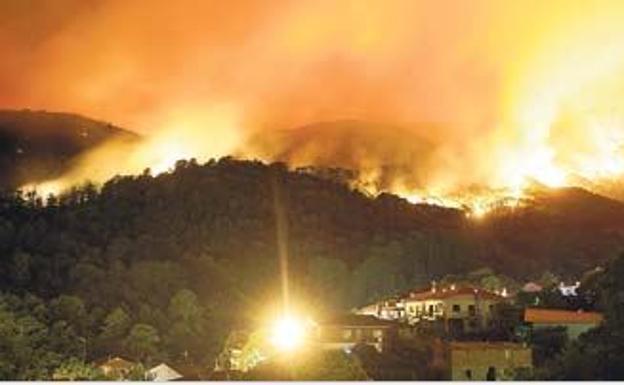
[41, 145]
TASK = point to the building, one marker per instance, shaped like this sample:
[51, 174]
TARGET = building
[388, 309]
[575, 322]
[346, 331]
[162, 372]
[373, 309]
[568, 290]
[532, 287]
[115, 367]
[392, 309]
[460, 309]
[480, 361]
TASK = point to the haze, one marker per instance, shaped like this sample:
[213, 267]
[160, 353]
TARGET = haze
[500, 92]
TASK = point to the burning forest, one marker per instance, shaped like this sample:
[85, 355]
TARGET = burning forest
[311, 189]
[468, 111]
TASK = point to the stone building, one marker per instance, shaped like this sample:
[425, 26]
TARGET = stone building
[480, 361]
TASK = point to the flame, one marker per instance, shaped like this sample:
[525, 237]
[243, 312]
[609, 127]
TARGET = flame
[45, 189]
[182, 136]
[523, 92]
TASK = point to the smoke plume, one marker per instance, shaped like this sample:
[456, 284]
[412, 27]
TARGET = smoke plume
[451, 93]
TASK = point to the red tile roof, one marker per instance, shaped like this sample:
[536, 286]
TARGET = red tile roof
[557, 316]
[449, 293]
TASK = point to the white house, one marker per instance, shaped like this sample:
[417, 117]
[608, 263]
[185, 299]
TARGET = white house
[459, 308]
[162, 372]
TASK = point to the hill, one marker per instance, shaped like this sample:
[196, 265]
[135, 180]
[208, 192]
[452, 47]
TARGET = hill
[198, 246]
[385, 152]
[40, 145]
[227, 209]
[145, 253]
[564, 230]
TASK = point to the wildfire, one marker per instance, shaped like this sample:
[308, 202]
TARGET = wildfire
[519, 92]
[184, 134]
[476, 206]
[44, 189]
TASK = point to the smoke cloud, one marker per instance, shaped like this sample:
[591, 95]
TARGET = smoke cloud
[451, 93]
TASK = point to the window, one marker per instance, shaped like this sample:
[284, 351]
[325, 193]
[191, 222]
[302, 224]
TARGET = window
[378, 333]
[347, 334]
[491, 308]
[472, 310]
[430, 310]
[468, 374]
[456, 308]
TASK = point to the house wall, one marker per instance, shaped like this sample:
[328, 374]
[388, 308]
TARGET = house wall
[428, 309]
[483, 310]
[474, 363]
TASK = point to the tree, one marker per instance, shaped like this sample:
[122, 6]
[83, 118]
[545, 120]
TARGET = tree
[116, 324]
[20, 269]
[23, 351]
[72, 310]
[329, 279]
[332, 365]
[185, 308]
[77, 370]
[598, 353]
[115, 327]
[142, 342]
[408, 360]
[549, 280]
[548, 343]
[186, 333]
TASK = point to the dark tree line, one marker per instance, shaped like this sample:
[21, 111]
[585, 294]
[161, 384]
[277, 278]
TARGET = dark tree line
[161, 268]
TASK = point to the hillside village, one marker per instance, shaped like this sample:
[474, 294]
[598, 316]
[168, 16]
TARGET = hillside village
[469, 333]
[460, 331]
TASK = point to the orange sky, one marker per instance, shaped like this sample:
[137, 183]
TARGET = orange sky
[518, 89]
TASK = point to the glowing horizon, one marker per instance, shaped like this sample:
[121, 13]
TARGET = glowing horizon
[518, 91]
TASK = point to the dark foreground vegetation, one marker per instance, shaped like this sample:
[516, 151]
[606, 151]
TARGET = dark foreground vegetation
[161, 268]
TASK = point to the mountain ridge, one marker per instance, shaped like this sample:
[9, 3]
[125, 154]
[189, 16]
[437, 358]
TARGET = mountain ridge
[37, 145]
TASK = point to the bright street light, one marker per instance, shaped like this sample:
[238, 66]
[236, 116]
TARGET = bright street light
[288, 333]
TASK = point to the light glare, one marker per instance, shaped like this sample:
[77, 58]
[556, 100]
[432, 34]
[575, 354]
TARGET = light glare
[288, 333]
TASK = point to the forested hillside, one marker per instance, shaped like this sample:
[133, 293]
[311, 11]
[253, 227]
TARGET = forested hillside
[40, 145]
[180, 258]
[162, 267]
[564, 230]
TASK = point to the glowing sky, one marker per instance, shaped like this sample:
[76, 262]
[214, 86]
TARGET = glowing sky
[516, 89]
